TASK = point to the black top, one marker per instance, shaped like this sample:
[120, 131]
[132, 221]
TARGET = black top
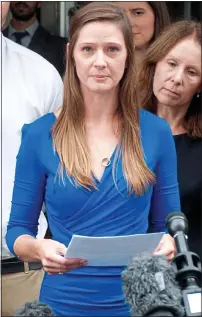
[189, 155]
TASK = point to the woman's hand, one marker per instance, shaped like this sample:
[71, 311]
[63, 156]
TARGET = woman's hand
[166, 247]
[51, 255]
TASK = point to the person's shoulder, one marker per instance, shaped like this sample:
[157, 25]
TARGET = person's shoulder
[28, 57]
[40, 127]
[152, 122]
[149, 117]
[188, 141]
[59, 39]
[51, 37]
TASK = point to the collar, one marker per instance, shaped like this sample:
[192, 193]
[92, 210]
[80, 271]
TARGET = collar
[31, 29]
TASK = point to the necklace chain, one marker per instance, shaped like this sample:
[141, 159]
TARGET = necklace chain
[106, 160]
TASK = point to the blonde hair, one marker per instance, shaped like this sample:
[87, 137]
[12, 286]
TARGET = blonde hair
[69, 131]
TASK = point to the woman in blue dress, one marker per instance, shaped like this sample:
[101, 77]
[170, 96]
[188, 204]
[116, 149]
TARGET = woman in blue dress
[100, 165]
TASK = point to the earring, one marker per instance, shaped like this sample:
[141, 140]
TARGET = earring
[198, 95]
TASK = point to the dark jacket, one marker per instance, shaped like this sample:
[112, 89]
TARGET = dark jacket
[51, 47]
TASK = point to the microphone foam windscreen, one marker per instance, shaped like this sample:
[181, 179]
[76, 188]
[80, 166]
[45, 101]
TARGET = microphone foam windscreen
[35, 309]
[148, 283]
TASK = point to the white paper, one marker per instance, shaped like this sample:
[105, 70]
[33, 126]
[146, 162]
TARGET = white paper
[111, 251]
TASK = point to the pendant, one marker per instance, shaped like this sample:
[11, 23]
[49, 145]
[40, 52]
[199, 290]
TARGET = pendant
[105, 162]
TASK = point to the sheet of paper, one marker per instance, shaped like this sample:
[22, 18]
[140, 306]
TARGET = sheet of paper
[111, 251]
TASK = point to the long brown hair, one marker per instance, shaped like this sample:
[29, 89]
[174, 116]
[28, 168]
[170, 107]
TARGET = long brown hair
[69, 131]
[157, 51]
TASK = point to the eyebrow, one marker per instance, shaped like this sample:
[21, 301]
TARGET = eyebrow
[139, 8]
[176, 59]
[134, 9]
[172, 57]
[93, 43]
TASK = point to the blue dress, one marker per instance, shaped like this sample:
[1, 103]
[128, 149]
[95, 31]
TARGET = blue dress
[107, 211]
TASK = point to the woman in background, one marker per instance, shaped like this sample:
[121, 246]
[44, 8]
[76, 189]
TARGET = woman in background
[172, 73]
[147, 20]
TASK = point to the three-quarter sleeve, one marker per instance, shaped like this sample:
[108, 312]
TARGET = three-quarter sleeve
[29, 188]
[165, 197]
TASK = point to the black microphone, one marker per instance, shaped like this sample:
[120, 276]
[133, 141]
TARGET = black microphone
[150, 287]
[35, 309]
[187, 264]
[177, 226]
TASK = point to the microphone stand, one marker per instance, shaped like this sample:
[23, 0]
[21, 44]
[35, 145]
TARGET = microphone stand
[186, 263]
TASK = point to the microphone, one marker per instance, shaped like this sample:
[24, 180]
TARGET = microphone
[150, 287]
[186, 263]
[35, 309]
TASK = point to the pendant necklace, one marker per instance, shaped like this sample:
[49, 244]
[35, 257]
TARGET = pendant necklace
[105, 161]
